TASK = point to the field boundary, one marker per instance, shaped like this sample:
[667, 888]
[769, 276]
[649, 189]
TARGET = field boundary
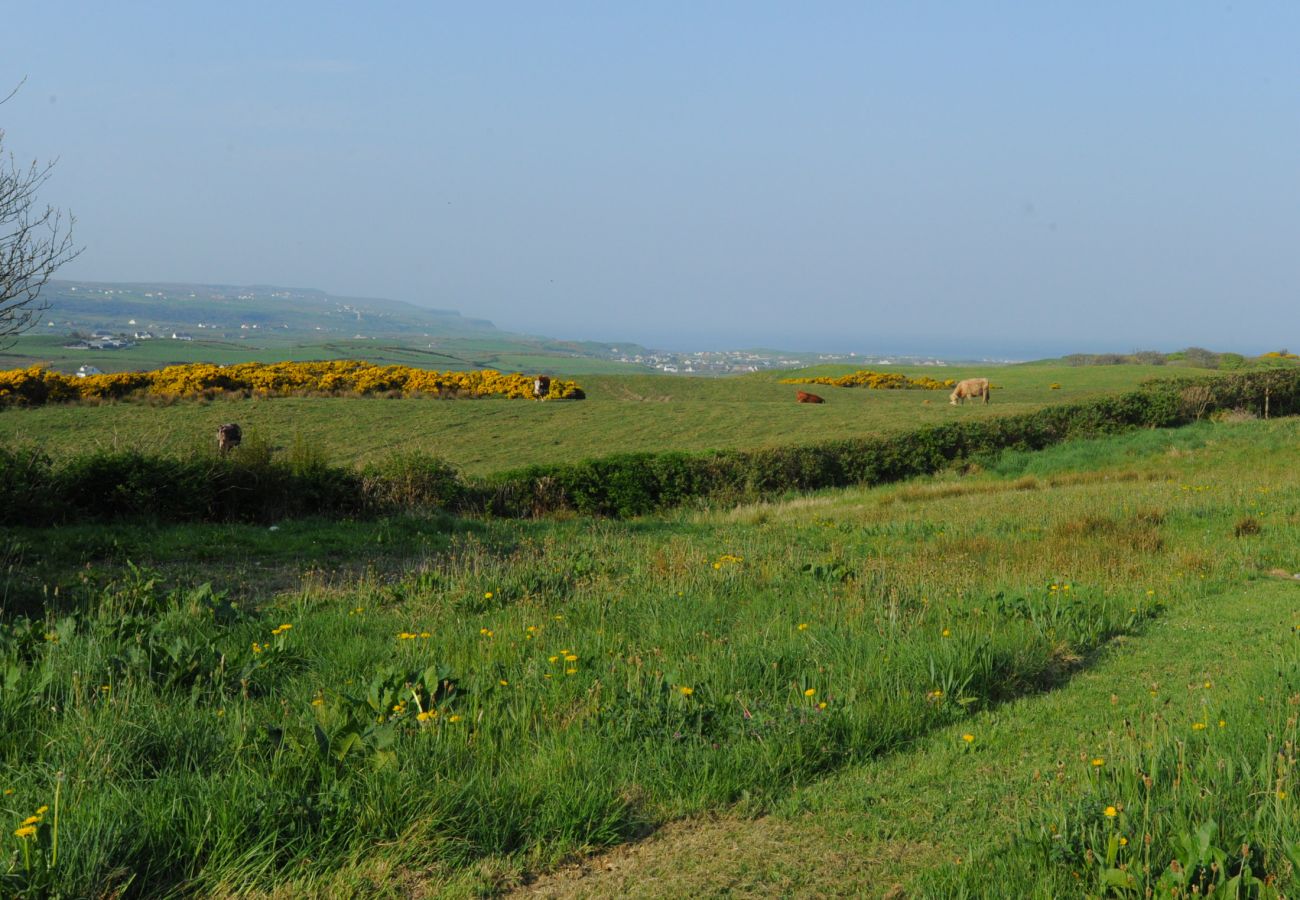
[252, 486]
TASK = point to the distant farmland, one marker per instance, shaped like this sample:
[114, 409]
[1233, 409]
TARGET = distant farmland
[622, 413]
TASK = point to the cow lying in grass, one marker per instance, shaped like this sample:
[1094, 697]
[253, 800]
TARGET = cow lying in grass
[974, 388]
[805, 397]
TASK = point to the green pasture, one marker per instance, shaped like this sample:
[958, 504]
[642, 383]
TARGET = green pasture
[622, 413]
[857, 692]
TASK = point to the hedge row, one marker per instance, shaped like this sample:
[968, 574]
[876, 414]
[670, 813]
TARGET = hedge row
[36, 385]
[106, 486]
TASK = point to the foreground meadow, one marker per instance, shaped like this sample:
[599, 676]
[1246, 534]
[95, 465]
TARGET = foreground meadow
[1035, 679]
[622, 413]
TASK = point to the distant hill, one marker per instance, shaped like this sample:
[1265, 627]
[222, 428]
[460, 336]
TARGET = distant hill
[231, 312]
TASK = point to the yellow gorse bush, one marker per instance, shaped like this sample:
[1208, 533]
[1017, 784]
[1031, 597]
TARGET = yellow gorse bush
[35, 385]
[879, 381]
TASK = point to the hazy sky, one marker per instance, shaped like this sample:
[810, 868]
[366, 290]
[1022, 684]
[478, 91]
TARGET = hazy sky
[1001, 178]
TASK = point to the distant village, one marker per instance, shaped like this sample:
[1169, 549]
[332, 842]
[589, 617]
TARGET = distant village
[735, 362]
[128, 332]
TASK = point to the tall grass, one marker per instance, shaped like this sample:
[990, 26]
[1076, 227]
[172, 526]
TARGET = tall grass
[544, 687]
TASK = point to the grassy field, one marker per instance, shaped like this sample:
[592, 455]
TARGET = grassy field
[940, 688]
[622, 413]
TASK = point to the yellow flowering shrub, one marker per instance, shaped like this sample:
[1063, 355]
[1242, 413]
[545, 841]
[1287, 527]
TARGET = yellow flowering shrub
[35, 385]
[879, 381]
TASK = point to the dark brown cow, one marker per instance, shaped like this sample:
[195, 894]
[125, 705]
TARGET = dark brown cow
[805, 397]
[973, 388]
[228, 437]
[542, 386]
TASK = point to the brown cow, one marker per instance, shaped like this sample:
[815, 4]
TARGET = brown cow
[974, 388]
[805, 397]
[541, 386]
[228, 437]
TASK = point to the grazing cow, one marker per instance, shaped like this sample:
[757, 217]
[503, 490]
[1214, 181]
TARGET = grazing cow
[228, 437]
[805, 397]
[973, 388]
[541, 387]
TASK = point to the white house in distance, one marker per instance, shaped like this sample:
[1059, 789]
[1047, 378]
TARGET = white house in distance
[83, 371]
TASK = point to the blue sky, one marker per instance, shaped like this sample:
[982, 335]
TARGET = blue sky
[980, 178]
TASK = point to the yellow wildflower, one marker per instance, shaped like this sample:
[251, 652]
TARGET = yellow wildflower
[25, 832]
[686, 691]
[1111, 812]
[803, 626]
[453, 718]
[810, 692]
[1098, 761]
[968, 738]
[570, 671]
[503, 682]
[31, 820]
[570, 658]
[487, 595]
[42, 811]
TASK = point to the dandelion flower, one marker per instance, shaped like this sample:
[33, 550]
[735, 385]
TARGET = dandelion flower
[570, 671]
[453, 718]
[1111, 812]
[487, 595]
[570, 658]
[553, 659]
[30, 820]
[810, 692]
[25, 831]
[426, 715]
[946, 632]
[686, 691]
[821, 705]
[803, 626]
[1222, 723]
[42, 811]
[1098, 761]
[318, 701]
[1123, 841]
[1198, 726]
[503, 682]
[968, 738]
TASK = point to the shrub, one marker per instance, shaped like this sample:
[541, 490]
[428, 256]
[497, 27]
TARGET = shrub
[411, 480]
[35, 386]
[880, 381]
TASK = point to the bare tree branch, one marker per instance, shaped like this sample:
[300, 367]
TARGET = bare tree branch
[34, 242]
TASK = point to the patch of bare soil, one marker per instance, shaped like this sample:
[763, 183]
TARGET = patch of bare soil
[709, 857]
